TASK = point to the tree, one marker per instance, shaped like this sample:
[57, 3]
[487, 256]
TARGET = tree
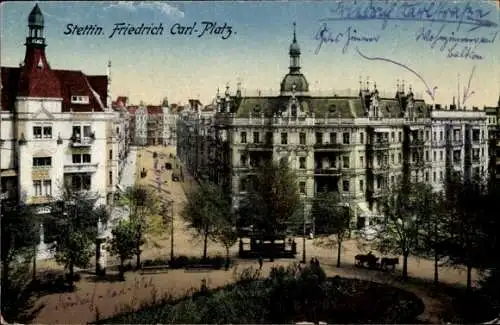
[432, 232]
[398, 231]
[272, 200]
[226, 232]
[123, 243]
[331, 217]
[20, 233]
[205, 208]
[141, 204]
[75, 214]
[467, 204]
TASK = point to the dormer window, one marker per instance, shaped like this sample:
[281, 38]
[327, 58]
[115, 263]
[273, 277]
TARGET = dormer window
[332, 108]
[40, 64]
[79, 99]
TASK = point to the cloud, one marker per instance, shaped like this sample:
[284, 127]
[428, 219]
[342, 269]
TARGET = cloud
[160, 6]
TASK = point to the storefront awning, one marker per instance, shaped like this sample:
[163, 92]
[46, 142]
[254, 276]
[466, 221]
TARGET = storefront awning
[363, 210]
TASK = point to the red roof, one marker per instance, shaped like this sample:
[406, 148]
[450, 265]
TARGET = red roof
[132, 109]
[37, 79]
[154, 110]
[69, 83]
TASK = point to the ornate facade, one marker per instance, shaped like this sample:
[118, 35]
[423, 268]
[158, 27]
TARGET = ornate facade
[358, 146]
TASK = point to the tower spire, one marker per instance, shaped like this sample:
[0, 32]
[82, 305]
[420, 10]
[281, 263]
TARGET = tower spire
[294, 33]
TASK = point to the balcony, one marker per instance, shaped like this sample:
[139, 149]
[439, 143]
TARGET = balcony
[456, 142]
[379, 168]
[327, 172]
[417, 143]
[80, 168]
[417, 163]
[381, 144]
[259, 147]
[332, 146]
[78, 142]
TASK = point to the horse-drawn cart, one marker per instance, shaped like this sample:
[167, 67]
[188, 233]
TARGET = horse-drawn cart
[371, 261]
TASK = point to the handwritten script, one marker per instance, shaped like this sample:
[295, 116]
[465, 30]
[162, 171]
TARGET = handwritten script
[444, 12]
[457, 44]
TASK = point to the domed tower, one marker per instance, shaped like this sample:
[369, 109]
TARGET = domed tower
[294, 82]
[37, 78]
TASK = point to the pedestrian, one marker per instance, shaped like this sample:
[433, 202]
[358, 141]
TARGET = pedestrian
[261, 262]
[316, 262]
[312, 262]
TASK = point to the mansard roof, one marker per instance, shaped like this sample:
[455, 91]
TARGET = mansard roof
[70, 82]
[331, 106]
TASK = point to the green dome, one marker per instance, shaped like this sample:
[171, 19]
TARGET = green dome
[36, 17]
[296, 79]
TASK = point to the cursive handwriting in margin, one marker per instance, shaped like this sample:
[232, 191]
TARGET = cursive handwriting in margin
[449, 12]
[429, 91]
[325, 35]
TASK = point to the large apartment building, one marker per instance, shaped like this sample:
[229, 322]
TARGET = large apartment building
[56, 127]
[493, 114]
[358, 146]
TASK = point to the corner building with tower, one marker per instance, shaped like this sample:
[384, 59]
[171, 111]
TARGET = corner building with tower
[358, 146]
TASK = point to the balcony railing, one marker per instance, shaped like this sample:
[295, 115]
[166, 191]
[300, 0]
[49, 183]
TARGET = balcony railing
[81, 168]
[327, 171]
[259, 146]
[417, 142]
[82, 141]
[381, 144]
[332, 146]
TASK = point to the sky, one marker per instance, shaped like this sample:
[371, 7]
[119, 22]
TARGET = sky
[150, 67]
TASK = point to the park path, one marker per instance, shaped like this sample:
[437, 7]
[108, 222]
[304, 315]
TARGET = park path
[109, 297]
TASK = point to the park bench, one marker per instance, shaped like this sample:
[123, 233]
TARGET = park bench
[201, 266]
[154, 269]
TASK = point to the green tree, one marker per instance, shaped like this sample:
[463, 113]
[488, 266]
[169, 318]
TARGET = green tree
[398, 231]
[19, 235]
[432, 232]
[226, 233]
[467, 243]
[141, 204]
[204, 211]
[271, 202]
[75, 215]
[123, 243]
[331, 217]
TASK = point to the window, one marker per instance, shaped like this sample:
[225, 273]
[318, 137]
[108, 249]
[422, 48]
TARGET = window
[362, 138]
[302, 162]
[399, 158]
[434, 177]
[441, 175]
[110, 178]
[42, 161]
[294, 110]
[426, 135]
[243, 160]
[37, 188]
[333, 137]
[47, 188]
[346, 138]
[37, 132]
[482, 152]
[243, 136]
[256, 138]
[440, 135]
[269, 137]
[361, 185]
[393, 136]
[47, 132]
[284, 138]
[400, 136]
[345, 161]
[426, 176]
[302, 138]
[81, 182]
[434, 155]
[110, 154]
[81, 158]
[362, 161]
[302, 187]
[393, 180]
[283, 161]
[427, 158]
[345, 185]
[434, 136]
[79, 99]
[440, 155]
[392, 158]
[319, 138]
[243, 185]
